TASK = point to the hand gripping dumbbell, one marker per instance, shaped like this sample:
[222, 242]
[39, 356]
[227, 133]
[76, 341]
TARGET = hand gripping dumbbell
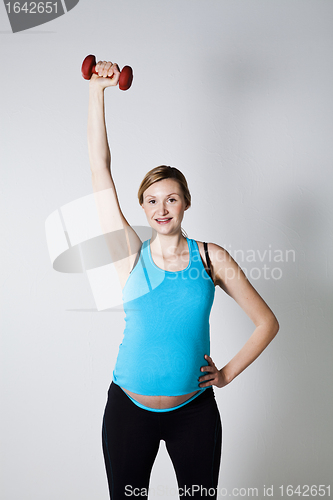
[125, 78]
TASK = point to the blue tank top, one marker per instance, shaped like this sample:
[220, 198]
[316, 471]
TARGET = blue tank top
[167, 326]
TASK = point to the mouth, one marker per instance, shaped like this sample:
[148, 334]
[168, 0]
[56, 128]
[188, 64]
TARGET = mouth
[163, 221]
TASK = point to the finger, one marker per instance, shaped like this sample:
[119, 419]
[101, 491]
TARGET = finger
[207, 368]
[209, 359]
[206, 384]
[113, 70]
[107, 69]
[110, 72]
[116, 74]
[100, 68]
[210, 376]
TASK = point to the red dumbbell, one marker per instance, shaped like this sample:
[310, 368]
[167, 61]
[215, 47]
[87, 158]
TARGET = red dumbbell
[125, 78]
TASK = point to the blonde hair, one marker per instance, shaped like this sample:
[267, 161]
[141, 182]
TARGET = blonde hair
[165, 172]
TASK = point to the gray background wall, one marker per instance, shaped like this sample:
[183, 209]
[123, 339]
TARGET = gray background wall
[238, 95]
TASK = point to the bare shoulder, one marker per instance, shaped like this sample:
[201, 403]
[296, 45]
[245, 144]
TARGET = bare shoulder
[231, 278]
[202, 250]
[223, 265]
[216, 255]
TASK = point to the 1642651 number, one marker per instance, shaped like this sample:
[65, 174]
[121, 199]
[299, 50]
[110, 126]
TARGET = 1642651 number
[32, 7]
[305, 490]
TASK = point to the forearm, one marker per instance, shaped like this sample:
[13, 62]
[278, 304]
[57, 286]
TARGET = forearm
[98, 147]
[259, 340]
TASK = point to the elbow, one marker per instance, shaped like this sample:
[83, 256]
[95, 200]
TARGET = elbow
[275, 326]
[270, 326]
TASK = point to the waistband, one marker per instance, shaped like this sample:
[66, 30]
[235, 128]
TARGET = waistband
[206, 390]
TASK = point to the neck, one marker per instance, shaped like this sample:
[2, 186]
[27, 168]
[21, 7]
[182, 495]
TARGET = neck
[168, 245]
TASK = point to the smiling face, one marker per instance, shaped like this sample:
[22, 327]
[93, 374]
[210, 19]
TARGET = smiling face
[164, 205]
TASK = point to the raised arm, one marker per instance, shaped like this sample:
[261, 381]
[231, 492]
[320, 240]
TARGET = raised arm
[122, 240]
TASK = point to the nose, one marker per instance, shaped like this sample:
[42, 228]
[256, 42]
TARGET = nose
[162, 209]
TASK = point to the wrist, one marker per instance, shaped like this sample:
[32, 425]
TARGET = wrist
[95, 87]
[226, 374]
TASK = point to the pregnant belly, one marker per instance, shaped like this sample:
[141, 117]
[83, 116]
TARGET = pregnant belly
[160, 402]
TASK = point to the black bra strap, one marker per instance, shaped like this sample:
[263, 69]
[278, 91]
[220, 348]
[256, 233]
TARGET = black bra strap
[207, 259]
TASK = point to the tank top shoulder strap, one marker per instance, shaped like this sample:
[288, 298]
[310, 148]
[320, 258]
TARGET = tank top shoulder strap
[195, 250]
[207, 259]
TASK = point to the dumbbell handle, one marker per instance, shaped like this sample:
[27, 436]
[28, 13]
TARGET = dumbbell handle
[89, 67]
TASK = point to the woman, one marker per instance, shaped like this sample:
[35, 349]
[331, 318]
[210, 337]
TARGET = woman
[163, 378]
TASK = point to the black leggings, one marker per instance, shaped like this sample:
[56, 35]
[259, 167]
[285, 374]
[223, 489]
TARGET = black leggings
[131, 438]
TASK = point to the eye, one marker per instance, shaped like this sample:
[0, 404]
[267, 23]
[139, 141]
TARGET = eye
[172, 199]
[150, 201]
